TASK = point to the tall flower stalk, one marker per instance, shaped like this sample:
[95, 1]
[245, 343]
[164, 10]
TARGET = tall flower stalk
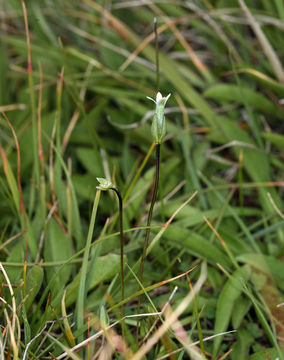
[106, 185]
[158, 133]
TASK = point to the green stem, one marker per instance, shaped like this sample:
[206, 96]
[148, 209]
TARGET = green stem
[121, 246]
[157, 56]
[82, 287]
[154, 197]
[147, 236]
[121, 259]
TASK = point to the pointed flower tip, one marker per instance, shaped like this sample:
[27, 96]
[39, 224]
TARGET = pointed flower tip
[159, 98]
[167, 98]
[148, 97]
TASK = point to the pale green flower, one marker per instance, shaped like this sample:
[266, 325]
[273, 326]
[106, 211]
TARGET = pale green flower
[159, 121]
[104, 184]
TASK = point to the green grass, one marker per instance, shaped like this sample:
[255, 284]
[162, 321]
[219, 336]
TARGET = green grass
[74, 77]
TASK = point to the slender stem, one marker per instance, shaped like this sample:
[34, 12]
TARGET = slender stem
[121, 257]
[157, 56]
[121, 245]
[156, 184]
[154, 197]
[82, 287]
[147, 236]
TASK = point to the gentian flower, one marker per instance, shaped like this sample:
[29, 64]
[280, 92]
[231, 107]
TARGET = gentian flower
[104, 184]
[159, 121]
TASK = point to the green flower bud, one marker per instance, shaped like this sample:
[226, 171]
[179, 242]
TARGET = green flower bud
[104, 184]
[159, 121]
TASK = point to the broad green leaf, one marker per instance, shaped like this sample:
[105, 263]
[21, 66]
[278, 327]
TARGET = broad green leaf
[214, 277]
[263, 355]
[240, 349]
[33, 284]
[41, 22]
[235, 93]
[85, 186]
[264, 79]
[264, 263]
[275, 139]
[105, 268]
[90, 160]
[229, 131]
[38, 51]
[194, 216]
[10, 177]
[227, 298]
[109, 58]
[78, 233]
[195, 244]
[241, 308]
[199, 151]
[57, 247]
[17, 255]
